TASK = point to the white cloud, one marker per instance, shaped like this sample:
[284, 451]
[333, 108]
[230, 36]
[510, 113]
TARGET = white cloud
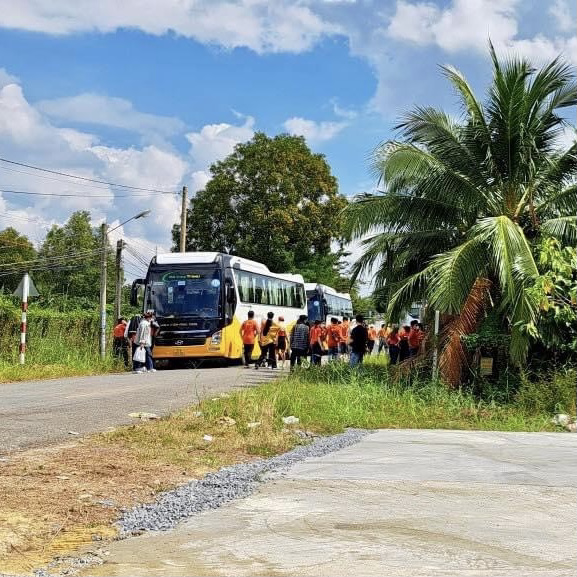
[561, 12]
[413, 22]
[28, 135]
[6, 78]
[313, 131]
[215, 141]
[260, 25]
[465, 24]
[103, 110]
[468, 24]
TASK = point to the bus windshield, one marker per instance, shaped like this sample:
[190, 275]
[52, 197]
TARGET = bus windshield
[185, 292]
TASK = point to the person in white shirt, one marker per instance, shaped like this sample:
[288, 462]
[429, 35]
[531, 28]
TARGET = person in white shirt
[144, 339]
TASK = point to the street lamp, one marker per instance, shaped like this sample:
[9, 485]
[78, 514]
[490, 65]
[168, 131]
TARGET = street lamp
[104, 230]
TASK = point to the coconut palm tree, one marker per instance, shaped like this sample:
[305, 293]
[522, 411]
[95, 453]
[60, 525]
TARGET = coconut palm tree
[464, 197]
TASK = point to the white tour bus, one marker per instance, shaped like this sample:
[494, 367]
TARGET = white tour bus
[324, 302]
[200, 300]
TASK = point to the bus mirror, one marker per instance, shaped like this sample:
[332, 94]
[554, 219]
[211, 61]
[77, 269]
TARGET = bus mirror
[134, 291]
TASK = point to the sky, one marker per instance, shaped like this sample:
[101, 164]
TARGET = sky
[149, 93]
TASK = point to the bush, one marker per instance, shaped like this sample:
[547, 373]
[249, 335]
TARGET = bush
[553, 392]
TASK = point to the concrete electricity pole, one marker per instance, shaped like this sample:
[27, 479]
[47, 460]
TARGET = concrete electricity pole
[103, 274]
[119, 279]
[436, 349]
[183, 220]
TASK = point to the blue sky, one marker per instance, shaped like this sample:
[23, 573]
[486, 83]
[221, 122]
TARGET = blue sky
[150, 93]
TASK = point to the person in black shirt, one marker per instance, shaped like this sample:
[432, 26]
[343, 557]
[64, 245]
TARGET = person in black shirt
[359, 339]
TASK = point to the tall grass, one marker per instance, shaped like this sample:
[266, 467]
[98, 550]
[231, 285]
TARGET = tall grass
[58, 344]
[326, 400]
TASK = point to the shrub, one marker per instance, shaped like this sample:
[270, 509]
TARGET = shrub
[553, 392]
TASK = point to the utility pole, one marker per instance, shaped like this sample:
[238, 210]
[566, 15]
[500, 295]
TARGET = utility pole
[183, 220]
[119, 279]
[103, 274]
[436, 350]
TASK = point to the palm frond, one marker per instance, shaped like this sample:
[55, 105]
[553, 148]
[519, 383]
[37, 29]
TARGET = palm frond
[409, 291]
[509, 251]
[454, 272]
[397, 213]
[564, 228]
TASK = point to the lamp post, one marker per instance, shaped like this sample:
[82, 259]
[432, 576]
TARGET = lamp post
[104, 231]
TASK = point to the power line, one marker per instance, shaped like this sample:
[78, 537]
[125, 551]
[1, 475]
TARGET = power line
[82, 194]
[13, 217]
[46, 260]
[84, 178]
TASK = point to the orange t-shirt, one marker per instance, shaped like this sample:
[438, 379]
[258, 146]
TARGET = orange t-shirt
[415, 338]
[119, 331]
[382, 334]
[393, 339]
[344, 330]
[315, 334]
[248, 331]
[372, 334]
[334, 334]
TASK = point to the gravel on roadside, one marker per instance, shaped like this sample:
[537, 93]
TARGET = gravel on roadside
[216, 489]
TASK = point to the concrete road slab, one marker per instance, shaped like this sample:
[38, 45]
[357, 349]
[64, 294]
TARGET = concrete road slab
[372, 510]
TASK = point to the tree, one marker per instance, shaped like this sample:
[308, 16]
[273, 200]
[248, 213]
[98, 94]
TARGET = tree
[555, 294]
[271, 200]
[14, 248]
[71, 258]
[464, 198]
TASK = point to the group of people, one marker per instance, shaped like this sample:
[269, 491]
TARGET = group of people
[401, 343]
[133, 341]
[340, 339]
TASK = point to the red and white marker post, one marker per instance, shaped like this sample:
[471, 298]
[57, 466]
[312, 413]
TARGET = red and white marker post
[25, 292]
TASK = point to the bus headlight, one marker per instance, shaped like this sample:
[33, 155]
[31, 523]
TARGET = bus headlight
[216, 338]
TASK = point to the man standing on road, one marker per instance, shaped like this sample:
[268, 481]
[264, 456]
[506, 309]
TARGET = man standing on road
[316, 335]
[120, 343]
[144, 338]
[359, 339]
[334, 338]
[248, 333]
[299, 341]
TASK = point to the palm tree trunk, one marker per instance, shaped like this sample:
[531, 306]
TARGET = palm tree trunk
[453, 358]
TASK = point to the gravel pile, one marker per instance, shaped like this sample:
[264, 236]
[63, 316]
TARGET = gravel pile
[229, 483]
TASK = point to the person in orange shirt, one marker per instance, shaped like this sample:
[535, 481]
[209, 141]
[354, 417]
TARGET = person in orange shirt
[281, 342]
[415, 337]
[382, 336]
[334, 338]
[248, 333]
[316, 341]
[372, 339]
[345, 327]
[393, 341]
[120, 343]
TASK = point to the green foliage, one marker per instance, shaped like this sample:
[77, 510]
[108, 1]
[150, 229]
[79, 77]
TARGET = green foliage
[66, 275]
[464, 198]
[14, 248]
[271, 200]
[334, 396]
[58, 343]
[548, 392]
[555, 293]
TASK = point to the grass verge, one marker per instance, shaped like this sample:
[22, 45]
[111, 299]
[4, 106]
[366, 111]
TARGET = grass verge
[75, 492]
